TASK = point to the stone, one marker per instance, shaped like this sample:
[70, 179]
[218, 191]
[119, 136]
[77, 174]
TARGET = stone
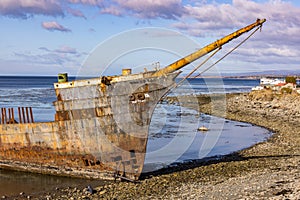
[102, 192]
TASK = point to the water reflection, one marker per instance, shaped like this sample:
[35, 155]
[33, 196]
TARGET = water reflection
[13, 182]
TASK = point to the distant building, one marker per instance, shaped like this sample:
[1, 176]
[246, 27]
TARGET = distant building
[274, 84]
[280, 86]
[270, 81]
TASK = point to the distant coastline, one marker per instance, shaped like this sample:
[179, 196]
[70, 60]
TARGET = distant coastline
[242, 75]
[255, 75]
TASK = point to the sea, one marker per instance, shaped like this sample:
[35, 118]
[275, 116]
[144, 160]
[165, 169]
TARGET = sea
[173, 134]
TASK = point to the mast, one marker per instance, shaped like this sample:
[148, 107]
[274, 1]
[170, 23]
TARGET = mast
[207, 49]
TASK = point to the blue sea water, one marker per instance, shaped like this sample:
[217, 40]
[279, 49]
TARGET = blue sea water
[38, 92]
[173, 135]
[217, 85]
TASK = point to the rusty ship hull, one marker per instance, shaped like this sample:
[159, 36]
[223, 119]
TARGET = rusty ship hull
[100, 129]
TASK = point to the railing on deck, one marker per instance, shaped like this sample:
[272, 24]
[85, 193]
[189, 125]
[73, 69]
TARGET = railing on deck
[24, 115]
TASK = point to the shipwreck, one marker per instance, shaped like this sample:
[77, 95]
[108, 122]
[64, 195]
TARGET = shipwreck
[100, 129]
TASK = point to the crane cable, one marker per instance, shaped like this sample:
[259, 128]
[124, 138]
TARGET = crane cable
[201, 64]
[228, 53]
[175, 85]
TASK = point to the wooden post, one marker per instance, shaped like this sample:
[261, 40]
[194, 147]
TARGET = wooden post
[31, 115]
[20, 116]
[27, 115]
[13, 115]
[9, 114]
[5, 117]
[23, 115]
[2, 116]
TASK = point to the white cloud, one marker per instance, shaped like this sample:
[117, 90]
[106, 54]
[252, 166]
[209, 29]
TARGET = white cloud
[61, 50]
[62, 56]
[87, 2]
[76, 13]
[66, 49]
[49, 58]
[54, 26]
[211, 17]
[26, 8]
[112, 10]
[168, 9]
[146, 9]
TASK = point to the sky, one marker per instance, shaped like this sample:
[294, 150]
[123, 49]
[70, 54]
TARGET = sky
[47, 37]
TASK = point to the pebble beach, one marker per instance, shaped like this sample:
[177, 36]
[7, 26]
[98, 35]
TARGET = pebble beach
[267, 170]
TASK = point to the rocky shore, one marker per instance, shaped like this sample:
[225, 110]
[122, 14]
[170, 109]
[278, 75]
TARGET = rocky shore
[268, 170]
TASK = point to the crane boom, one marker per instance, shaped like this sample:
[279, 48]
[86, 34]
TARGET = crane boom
[207, 49]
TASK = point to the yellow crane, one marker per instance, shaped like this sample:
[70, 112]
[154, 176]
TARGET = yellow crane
[207, 49]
